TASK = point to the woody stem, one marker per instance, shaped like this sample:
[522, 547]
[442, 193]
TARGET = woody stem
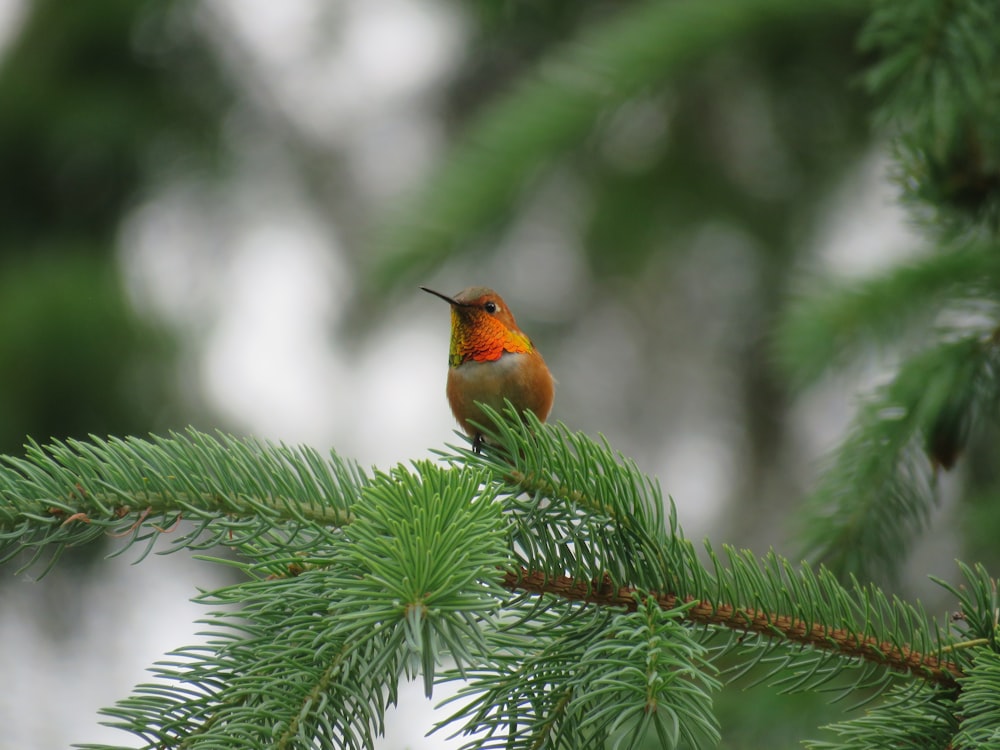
[769, 624]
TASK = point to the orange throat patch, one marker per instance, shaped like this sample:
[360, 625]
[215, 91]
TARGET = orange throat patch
[483, 339]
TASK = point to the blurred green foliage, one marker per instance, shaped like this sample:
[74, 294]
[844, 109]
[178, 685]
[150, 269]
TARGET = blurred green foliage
[97, 100]
[74, 359]
[90, 92]
[665, 116]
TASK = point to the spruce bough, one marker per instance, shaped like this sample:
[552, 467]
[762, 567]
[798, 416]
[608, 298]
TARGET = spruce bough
[548, 576]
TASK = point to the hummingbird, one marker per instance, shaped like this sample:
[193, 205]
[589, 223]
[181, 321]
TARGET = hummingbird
[490, 359]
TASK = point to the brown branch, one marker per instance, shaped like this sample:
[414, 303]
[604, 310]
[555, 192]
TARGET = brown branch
[768, 624]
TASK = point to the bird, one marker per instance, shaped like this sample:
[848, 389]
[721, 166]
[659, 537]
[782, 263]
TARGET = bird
[490, 359]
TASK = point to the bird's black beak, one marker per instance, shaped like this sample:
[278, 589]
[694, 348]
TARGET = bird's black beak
[446, 298]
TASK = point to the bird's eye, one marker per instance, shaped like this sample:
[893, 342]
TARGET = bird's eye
[490, 307]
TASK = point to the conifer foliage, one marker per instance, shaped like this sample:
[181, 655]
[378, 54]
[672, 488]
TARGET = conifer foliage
[936, 80]
[543, 575]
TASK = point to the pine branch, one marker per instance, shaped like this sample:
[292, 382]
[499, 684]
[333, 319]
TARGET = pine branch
[828, 326]
[818, 635]
[240, 493]
[877, 496]
[596, 628]
[573, 677]
[579, 495]
[977, 702]
[937, 77]
[905, 722]
[318, 656]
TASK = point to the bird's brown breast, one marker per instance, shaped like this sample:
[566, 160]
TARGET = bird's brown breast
[523, 378]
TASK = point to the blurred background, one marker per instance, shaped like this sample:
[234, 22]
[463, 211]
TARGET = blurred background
[199, 225]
